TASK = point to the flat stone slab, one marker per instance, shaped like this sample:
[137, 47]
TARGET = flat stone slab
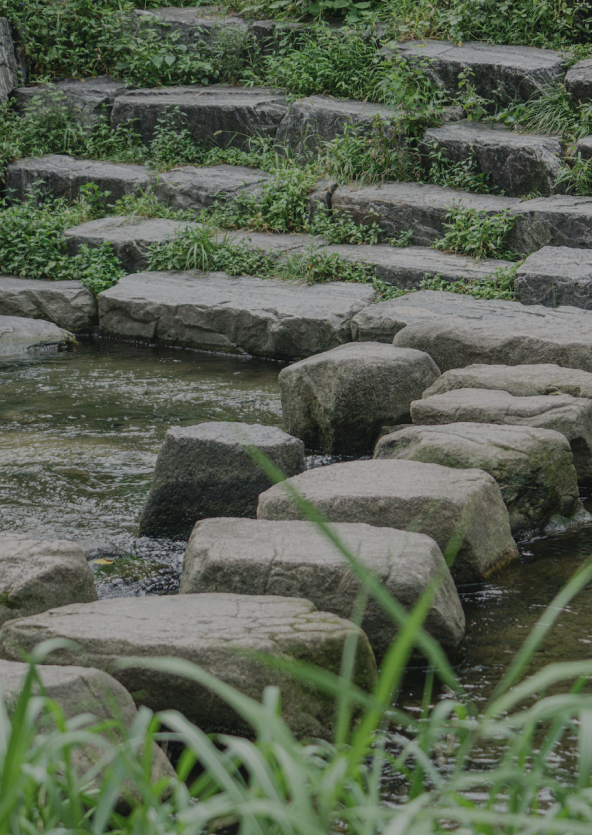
[462, 510]
[519, 380]
[196, 188]
[63, 176]
[190, 24]
[9, 75]
[501, 73]
[206, 470]
[36, 576]
[295, 559]
[68, 304]
[18, 335]
[88, 100]
[216, 632]
[263, 317]
[226, 116]
[338, 401]
[533, 467]
[578, 81]
[556, 275]
[516, 163]
[571, 416]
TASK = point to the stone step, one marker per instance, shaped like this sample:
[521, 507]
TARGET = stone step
[518, 164]
[190, 187]
[189, 25]
[212, 311]
[68, 304]
[88, 100]
[519, 380]
[18, 335]
[221, 633]
[556, 276]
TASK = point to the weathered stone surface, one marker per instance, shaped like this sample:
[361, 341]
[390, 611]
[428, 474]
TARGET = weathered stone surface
[311, 121]
[226, 116]
[189, 25]
[337, 401]
[499, 73]
[18, 334]
[131, 237]
[36, 576]
[63, 176]
[9, 75]
[578, 81]
[572, 416]
[584, 147]
[516, 163]
[191, 187]
[266, 317]
[205, 470]
[280, 244]
[406, 267]
[462, 510]
[68, 304]
[215, 631]
[556, 275]
[519, 380]
[88, 100]
[533, 467]
[268, 34]
[559, 220]
[295, 559]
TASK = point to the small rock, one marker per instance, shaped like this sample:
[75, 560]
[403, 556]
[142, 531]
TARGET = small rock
[18, 334]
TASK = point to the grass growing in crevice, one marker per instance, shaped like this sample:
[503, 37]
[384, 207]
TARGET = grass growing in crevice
[498, 285]
[477, 233]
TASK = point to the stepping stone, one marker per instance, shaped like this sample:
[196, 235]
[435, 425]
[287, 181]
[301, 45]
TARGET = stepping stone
[559, 220]
[572, 416]
[193, 188]
[260, 316]
[88, 100]
[68, 304]
[556, 275]
[295, 559]
[280, 244]
[578, 81]
[206, 470]
[519, 380]
[337, 401]
[190, 24]
[9, 69]
[36, 576]
[516, 163]
[500, 73]
[63, 176]
[131, 237]
[18, 335]
[226, 116]
[317, 119]
[462, 510]
[219, 633]
[533, 467]
[407, 267]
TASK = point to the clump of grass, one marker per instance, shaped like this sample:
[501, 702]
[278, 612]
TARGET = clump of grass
[478, 234]
[498, 285]
[462, 175]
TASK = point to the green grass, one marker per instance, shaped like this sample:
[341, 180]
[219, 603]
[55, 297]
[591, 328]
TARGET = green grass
[476, 233]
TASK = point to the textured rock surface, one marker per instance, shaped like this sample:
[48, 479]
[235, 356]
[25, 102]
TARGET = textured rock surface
[519, 380]
[36, 576]
[62, 176]
[266, 317]
[556, 276]
[227, 116]
[572, 416]
[190, 24]
[584, 147]
[215, 631]
[295, 559]
[578, 81]
[18, 334]
[337, 401]
[68, 304]
[205, 470]
[516, 163]
[462, 510]
[87, 100]
[9, 75]
[533, 467]
[190, 187]
[559, 220]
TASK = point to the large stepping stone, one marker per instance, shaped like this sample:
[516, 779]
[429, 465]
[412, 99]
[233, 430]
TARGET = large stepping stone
[559, 220]
[578, 81]
[519, 380]
[338, 401]
[206, 470]
[88, 100]
[518, 164]
[68, 304]
[462, 510]
[36, 576]
[572, 416]
[226, 116]
[295, 559]
[189, 25]
[196, 188]
[9, 70]
[263, 317]
[533, 467]
[500, 73]
[63, 176]
[219, 633]
[556, 276]
[18, 335]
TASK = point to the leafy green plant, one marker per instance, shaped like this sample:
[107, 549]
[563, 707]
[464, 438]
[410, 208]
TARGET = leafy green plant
[478, 234]
[342, 229]
[315, 266]
[575, 177]
[498, 285]
[463, 174]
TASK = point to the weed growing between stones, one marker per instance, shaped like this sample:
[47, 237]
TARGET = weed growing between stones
[478, 234]
[461, 175]
[576, 178]
[498, 285]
